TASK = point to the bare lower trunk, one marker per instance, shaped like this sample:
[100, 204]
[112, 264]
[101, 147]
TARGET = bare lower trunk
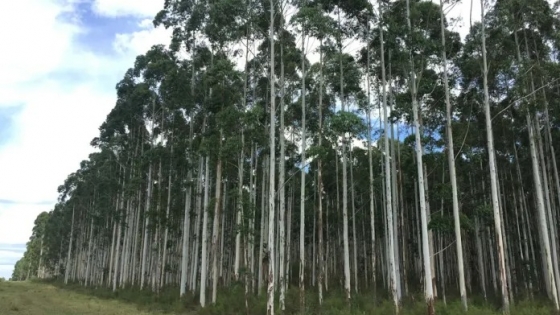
[67, 271]
[216, 228]
[204, 239]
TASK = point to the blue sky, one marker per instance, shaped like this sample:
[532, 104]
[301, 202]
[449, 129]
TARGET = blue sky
[59, 63]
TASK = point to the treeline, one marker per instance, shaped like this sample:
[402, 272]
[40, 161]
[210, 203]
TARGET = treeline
[323, 145]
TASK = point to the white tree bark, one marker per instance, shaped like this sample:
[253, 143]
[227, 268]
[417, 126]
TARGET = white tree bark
[452, 172]
[204, 239]
[69, 255]
[186, 218]
[302, 188]
[542, 213]
[271, 191]
[216, 227]
[346, 247]
[493, 171]
[281, 188]
[388, 195]
[428, 288]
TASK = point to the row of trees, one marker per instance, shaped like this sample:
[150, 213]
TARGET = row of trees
[416, 161]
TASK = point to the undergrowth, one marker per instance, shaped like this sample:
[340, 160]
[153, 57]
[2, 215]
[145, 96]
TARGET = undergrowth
[232, 301]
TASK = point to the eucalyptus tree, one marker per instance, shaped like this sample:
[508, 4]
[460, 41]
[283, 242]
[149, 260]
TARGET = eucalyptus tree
[152, 68]
[303, 162]
[319, 25]
[188, 128]
[428, 286]
[32, 264]
[536, 24]
[346, 86]
[272, 165]
[388, 193]
[186, 18]
[343, 77]
[493, 169]
[518, 26]
[451, 161]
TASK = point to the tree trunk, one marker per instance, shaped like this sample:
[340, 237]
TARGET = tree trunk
[388, 193]
[67, 271]
[428, 288]
[271, 192]
[302, 189]
[452, 173]
[204, 239]
[493, 171]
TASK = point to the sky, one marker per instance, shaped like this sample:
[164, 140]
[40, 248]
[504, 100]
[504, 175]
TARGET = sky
[59, 65]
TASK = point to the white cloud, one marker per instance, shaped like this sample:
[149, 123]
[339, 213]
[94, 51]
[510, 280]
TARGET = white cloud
[467, 11]
[30, 50]
[141, 41]
[119, 8]
[65, 92]
[6, 271]
[16, 222]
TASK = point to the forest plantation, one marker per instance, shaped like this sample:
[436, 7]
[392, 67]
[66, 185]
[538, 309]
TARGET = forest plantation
[324, 157]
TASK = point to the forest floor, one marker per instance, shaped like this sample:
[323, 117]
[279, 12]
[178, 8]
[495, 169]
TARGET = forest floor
[36, 298]
[55, 298]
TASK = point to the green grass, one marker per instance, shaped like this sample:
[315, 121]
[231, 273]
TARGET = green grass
[56, 298]
[34, 298]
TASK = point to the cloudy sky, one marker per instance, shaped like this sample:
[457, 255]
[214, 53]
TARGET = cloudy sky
[59, 65]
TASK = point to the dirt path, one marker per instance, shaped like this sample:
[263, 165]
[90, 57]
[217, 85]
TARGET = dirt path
[44, 299]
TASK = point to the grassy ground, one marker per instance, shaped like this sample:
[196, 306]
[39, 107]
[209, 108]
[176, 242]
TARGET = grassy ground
[35, 298]
[50, 298]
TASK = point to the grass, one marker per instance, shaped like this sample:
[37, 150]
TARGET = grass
[48, 298]
[36, 298]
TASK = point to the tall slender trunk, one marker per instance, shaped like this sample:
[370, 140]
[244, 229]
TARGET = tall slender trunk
[428, 288]
[452, 172]
[239, 214]
[354, 235]
[493, 171]
[187, 215]
[542, 213]
[346, 247]
[117, 245]
[167, 219]
[147, 209]
[271, 192]
[303, 173]
[320, 181]
[67, 271]
[204, 239]
[281, 187]
[198, 224]
[89, 253]
[216, 224]
[388, 193]
[370, 164]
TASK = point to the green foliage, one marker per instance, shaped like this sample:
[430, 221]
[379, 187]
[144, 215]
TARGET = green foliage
[173, 110]
[347, 122]
[445, 224]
